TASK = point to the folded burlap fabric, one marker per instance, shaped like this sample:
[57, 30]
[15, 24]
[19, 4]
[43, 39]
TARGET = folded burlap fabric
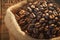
[13, 27]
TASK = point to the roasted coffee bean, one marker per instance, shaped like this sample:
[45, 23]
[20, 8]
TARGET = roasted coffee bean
[32, 6]
[51, 16]
[30, 28]
[58, 22]
[51, 22]
[44, 4]
[55, 13]
[42, 19]
[41, 29]
[29, 9]
[35, 10]
[35, 3]
[37, 25]
[39, 19]
[47, 35]
[47, 17]
[41, 36]
[17, 17]
[50, 4]
[50, 12]
[21, 21]
[30, 3]
[56, 18]
[27, 13]
[51, 8]
[35, 36]
[46, 11]
[39, 13]
[58, 34]
[51, 27]
[32, 15]
[47, 14]
[35, 31]
[41, 9]
[22, 12]
[44, 24]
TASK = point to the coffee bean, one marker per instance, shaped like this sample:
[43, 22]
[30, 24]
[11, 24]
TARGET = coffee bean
[27, 13]
[41, 9]
[17, 17]
[56, 18]
[30, 3]
[55, 13]
[34, 15]
[58, 33]
[52, 16]
[29, 9]
[59, 23]
[41, 36]
[46, 28]
[51, 8]
[35, 31]
[35, 2]
[37, 25]
[30, 28]
[46, 11]
[22, 12]
[47, 14]
[32, 6]
[50, 4]
[39, 19]
[50, 22]
[47, 17]
[44, 24]
[37, 9]
[44, 4]
[41, 29]
[57, 28]
[50, 12]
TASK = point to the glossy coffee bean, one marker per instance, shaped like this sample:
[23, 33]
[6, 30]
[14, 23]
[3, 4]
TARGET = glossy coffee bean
[50, 4]
[40, 19]
[30, 28]
[47, 17]
[51, 8]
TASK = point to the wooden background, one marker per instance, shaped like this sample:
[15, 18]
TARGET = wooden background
[4, 4]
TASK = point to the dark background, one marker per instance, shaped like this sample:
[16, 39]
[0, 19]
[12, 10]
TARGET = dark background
[4, 4]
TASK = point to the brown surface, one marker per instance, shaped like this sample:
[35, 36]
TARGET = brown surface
[4, 34]
[3, 30]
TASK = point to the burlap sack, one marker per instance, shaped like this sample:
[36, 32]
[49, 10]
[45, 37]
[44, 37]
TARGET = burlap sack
[13, 27]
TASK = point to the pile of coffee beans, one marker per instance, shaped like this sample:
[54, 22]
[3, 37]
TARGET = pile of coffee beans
[40, 19]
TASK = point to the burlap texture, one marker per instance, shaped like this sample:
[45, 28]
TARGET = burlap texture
[13, 27]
